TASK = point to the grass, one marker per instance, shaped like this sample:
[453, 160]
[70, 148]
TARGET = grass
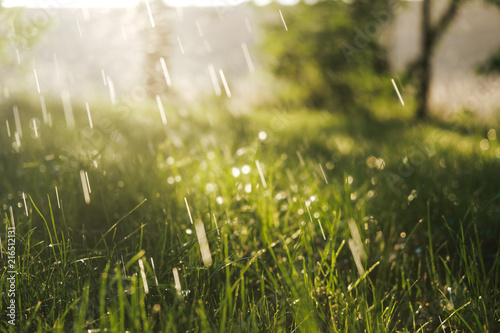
[350, 225]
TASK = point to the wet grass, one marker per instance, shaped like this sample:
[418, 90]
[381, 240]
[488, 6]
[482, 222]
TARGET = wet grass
[351, 225]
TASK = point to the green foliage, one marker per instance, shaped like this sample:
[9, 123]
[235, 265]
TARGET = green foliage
[330, 56]
[283, 254]
[491, 65]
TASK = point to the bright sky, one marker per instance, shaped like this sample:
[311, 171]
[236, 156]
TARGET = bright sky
[123, 3]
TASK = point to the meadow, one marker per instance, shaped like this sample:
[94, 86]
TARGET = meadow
[315, 221]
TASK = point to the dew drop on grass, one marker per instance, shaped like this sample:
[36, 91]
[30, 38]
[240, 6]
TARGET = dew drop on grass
[178, 178]
[236, 172]
[262, 135]
[170, 160]
[492, 134]
[210, 187]
[219, 200]
[189, 231]
[245, 169]
[170, 180]
[484, 144]
[248, 188]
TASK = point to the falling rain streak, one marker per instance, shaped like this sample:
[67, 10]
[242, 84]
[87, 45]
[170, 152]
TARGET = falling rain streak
[85, 187]
[35, 128]
[165, 71]
[215, 81]
[12, 217]
[162, 111]
[17, 121]
[68, 109]
[261, 174]
[216, 226]
[180, 45]
[247, 57]
[224, 82]
[284, 23]
[79, 28]
[143, 277]
[206, 257]
[88, 114]
[57, 197]
[150, 14]
[25, 206]
[8, 127]
[44, 110]
[177, 281]
[36, 80]
[112, 93]
[322, 231]
[397, 91]
[189, 212]
[323, 173]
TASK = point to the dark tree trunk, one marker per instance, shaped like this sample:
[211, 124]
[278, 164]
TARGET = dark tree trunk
[431, 35]
[425, 61]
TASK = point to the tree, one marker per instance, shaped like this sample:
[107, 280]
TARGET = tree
[431, 35]
[330, 55]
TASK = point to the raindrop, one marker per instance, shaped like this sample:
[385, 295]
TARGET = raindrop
[150, 14]
[189, 231]
[249, 27]
[210, 187]
[36, 79]
[165, 71]
[247, 57]
[484, 144]
[25, 206]
[262, 135]
[44, 110]
[219, 200]
[261, 174]
[236, 172]
[215, 81]
[224, 83]
[79, 28]
[492, 135]
[397, 91]
[68, 110]
[89, 116]
[200, 32]
[282, 19]
[180, 44]
[17, 121]
[162, 111]
[170, 160]
[245, 169]
[112, 93]
[8, 127]
[248, 188]
[57, 197]
[170, 180]
[85, 187]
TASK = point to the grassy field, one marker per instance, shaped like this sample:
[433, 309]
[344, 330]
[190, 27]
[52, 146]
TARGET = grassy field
[314, 222]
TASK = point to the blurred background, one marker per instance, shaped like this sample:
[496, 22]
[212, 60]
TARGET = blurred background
[334, 55]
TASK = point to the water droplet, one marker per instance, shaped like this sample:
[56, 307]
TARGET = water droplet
[245, 169]
[236, 172]
[262, 135]
[219, 200]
